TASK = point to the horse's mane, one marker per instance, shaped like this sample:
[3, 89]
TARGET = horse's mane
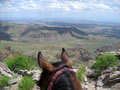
[63, 82]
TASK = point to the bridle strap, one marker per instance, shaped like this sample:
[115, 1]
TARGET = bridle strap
[50, 85]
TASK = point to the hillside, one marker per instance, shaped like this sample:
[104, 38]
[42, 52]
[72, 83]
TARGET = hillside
[57, 31]
[93, 28]
[94, 38]
[83, 43]
[27, 32]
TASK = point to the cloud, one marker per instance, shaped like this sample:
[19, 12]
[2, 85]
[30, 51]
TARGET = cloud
[7, 5]
[100, 6]
[28, 5]
[2, 1]
[59, 5]
[78, 6]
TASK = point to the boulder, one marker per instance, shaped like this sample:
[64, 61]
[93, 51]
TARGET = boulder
[107, 71]
[4, 88]
[107, 79]
[90, 85]
[112, 79]
[4, 70]
[34, 73]
[116, 86]
[24, 72]
[92, 74]
[115, 52]
[14, 81]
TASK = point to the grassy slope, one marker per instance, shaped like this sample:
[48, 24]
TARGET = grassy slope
[50, 50]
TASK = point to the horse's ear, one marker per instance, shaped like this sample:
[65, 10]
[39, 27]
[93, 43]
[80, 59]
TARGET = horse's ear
[44, 64]
[64, 57]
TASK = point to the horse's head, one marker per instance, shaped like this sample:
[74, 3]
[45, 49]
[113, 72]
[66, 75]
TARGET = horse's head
[59, 75]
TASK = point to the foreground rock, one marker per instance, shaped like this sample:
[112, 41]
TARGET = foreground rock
[5, 71]
[34, 73]
[15, 81]
[108, 79]
[115, 52]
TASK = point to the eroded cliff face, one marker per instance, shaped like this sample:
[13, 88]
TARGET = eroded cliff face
[45, 32]
[53, 34]
[47, 36]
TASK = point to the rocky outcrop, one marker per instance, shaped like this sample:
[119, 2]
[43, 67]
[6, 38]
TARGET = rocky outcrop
[5, 71]
[14, 81]
[34, 73]
[108, 79]
[115, 52]
[103, 49]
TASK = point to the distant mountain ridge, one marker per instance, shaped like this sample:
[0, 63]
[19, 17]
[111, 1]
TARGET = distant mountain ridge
[41, 32]
[60, 30]
[56, 31]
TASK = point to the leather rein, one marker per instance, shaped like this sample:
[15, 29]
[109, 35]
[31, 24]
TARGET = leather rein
[59, 71]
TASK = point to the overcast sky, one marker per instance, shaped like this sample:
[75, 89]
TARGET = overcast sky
[94, 10]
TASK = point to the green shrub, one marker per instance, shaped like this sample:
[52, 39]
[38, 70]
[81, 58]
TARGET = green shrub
[20, 62]
[81, 73]
[104, 61]
[26, 83]
[4, 80]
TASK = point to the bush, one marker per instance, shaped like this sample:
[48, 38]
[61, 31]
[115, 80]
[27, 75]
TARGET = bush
[20, 62]
[81, 74]
[26, 83]
[4, 80]
[104, 61]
